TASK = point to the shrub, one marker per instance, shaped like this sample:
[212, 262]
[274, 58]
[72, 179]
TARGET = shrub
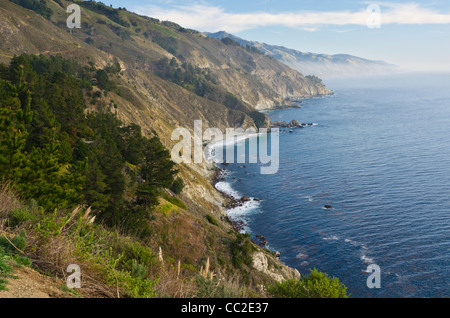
[241, 251]
[138, 270]
[177, 186]
[142, 288]
[103, 80]
[314, 285]
[212, 288]
[19, 216]
[38, 6]
[320, 285]
[291, 288]
[19, 242]
[212, 220]
[174, 201]
[167, 43]
[5, 269]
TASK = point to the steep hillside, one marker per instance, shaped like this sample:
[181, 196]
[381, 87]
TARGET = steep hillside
[321, 65]
[162, 76]
[221, 84]
[259, 81]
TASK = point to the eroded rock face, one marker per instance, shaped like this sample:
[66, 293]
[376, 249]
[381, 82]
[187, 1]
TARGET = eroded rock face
[280, 273]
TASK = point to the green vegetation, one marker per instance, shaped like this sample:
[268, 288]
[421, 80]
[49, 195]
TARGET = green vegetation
[60, 157]
[174, 201]
[241, 250]
[177, 186]
[9, 246]
[111, 13]
[314, 79]
[5, 268]
[103, 81]
[121, 262]
[18, 242]
[38, 6]
[212, 220]
[314, 285]
[213, 288]
[230, 41]
[166, 42]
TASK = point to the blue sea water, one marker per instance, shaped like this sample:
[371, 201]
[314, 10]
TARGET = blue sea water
[380, 155]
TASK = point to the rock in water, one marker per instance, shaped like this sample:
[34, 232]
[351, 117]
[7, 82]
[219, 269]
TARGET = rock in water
[293, 123]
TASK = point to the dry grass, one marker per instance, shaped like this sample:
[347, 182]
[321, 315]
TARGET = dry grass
[9, 201]
[205, 272]
[54, 254]
[171, 280]
[170, 284]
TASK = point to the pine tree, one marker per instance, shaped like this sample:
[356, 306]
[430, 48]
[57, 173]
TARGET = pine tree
[36, 173]
[157, 168]
[14, 118]
[52, 184]
[157, 172]
[95, 187]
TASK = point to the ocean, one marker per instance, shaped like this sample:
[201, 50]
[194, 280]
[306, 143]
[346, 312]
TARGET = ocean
[379, 154]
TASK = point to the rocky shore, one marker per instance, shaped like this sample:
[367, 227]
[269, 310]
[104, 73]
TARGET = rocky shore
[292, 124]
[229, 201]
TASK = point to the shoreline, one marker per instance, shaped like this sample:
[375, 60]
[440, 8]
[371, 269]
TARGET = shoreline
[231, 202]
[295, 103]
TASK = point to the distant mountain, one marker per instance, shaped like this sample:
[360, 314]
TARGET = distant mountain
[321, 65]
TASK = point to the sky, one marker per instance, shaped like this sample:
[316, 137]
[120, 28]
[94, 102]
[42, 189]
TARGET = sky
[414, 35]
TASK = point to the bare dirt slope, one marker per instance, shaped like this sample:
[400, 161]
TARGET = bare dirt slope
[31, 284]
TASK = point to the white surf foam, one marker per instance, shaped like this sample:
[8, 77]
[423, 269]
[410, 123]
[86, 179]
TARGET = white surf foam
[226, 188]
[331, 238]
[366, 259]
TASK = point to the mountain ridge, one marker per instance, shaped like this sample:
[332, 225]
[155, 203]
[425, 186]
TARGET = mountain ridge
[321, 65]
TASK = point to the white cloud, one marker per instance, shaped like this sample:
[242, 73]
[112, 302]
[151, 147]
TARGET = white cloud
[212, 18]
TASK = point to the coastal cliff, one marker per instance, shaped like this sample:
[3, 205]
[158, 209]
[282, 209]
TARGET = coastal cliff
[168, 77]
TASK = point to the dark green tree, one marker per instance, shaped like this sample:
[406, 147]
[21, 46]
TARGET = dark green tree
[36, 174]
[103, 80]
[95, 187]
[156, 170]
[14, 117]
[177, 186]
